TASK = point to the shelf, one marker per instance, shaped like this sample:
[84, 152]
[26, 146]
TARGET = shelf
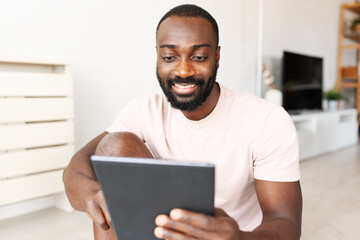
[32, 61]
[349, 85]
[352, 7]
[351, 46]
[354, 36]
[349, 76]
[350, 72]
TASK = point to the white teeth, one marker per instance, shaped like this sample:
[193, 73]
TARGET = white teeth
[184, 86]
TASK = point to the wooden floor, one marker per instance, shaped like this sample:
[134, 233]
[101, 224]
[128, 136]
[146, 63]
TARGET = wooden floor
[331, 191]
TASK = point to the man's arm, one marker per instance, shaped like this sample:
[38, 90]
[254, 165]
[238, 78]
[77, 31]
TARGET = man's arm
[81, 186]
[281, 204]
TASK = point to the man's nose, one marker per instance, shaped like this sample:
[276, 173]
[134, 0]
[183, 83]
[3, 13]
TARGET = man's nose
[184, 68]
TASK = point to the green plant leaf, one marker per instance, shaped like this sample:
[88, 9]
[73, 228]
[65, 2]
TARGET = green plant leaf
[334, 94]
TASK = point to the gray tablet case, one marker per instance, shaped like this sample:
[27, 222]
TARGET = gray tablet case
[136, 190]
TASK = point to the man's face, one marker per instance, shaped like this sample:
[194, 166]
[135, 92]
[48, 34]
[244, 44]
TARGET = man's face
[187, 61]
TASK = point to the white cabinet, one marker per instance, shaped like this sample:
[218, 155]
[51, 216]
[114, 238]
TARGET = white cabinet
[325, 132]
[36, 131]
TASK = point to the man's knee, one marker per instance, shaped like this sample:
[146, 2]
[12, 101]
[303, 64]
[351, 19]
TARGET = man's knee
[122, 144]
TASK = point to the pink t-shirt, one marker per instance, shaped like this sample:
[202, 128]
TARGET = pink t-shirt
[244, 136]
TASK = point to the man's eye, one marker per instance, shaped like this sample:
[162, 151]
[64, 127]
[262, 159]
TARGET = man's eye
[199, 58]
[168, 59]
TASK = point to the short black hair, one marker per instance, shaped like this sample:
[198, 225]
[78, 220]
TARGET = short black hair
[190, 10]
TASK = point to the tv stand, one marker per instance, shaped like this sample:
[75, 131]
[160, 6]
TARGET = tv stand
[325, 131]
[303, 112]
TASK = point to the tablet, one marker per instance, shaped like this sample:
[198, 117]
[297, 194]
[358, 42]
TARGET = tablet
[136, 190]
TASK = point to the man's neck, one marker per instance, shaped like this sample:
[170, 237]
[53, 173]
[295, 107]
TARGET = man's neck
[206, 107]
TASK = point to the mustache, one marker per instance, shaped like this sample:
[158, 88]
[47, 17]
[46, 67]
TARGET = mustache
[188, 80]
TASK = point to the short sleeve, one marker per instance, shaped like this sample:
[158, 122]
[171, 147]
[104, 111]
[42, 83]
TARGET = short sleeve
[129, 119]
[277, 149]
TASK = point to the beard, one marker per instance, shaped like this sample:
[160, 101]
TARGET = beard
[188, 102]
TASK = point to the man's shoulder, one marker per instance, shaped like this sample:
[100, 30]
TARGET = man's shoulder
[253, 110]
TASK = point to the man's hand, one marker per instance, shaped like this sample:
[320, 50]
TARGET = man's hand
[97, 210]
[182, 224]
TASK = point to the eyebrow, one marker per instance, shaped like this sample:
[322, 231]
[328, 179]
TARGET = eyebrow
[200, 45]
[172, 46]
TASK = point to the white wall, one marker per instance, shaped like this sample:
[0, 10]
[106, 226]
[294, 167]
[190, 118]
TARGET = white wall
[110, 45]
[308, 27]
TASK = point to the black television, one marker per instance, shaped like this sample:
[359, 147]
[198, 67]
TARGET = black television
[302, 81]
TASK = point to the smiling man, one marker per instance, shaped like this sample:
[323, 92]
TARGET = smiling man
[252, 143]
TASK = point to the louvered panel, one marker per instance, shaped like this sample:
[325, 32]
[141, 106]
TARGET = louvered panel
[35, 109]
[35, 160]
[35, 84]
[36, 128]
[24, 188]
[35, 135]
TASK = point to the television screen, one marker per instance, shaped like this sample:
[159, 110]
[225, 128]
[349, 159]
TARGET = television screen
[302, 82]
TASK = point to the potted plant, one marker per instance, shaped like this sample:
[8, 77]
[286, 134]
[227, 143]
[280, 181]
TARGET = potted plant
[355, 25]
[333, 96]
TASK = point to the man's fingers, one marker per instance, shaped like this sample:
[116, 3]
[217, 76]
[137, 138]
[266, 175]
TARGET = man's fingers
[98, 217]
[95, 212]
[168, 234]
[99, 198]
[220, 213]
[167, 223]
[106, 213]
[198, 220]
[100, 234]
[181, 224]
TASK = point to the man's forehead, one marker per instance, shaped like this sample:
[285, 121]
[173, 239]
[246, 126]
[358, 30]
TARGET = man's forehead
[195, 29]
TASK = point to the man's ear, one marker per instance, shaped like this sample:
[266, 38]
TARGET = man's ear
[218, 56]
